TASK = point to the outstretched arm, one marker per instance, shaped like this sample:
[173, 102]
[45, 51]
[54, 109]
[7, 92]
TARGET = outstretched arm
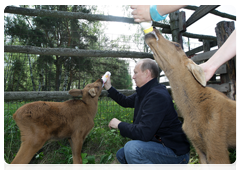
[223, 54]
[142, 12]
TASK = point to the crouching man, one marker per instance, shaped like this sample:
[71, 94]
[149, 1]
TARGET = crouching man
[156, 132]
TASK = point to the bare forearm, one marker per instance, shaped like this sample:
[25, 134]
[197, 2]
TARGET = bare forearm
[225, 52]
[141, 13]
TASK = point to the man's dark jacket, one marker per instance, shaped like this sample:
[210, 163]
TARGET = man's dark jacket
[155, 118]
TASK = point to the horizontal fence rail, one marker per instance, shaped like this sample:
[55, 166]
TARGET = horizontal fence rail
[75, 52]
[73, 15]
[97, 17]
[50, 95]
[215, 12]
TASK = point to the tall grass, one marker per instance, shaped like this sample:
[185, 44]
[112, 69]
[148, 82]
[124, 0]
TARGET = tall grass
[100, 146]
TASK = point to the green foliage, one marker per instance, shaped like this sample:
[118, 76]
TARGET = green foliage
[39, 156]
[194, 159]
[87, 159]
[67, 152]
[108, 156]
[11, 131]
[232, 155]
[175, 106]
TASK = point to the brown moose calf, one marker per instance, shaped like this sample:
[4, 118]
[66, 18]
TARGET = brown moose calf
[209, 115]
[41, 121]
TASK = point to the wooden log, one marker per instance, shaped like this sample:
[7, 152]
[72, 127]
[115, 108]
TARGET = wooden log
[199, 49]
[203, 56]
[223, 31]
[75, 52]
[50, 95]
[206, 45]
[191, 35]
[194, 51]
[215, 12]
[224, 88]
[206, 37]
[36, 95]
[181, 27]
[92, 17]
[182, 21]
[65, 14]
[174, 25]
[199, 13]
[76, 15]
[222, 69]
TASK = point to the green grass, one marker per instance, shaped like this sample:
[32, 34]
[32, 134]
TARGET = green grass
[100, 146]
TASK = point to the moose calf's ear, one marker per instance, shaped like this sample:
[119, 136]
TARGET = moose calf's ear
[75, 92]
[197, 72]
[92, 92]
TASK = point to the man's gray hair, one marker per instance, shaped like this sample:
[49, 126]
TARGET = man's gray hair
[151, 65]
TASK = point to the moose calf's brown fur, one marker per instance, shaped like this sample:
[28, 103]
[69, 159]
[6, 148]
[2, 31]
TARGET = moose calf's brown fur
[41, 121]
[209, 115]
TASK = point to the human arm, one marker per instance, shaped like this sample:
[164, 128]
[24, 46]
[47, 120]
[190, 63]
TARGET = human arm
[124, 101]
[223, 54]
[141, 13]
[121, 99]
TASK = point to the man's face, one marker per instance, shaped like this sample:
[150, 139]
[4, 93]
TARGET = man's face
[139, 77]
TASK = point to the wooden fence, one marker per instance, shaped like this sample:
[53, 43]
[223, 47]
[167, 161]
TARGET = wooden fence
[177, 28]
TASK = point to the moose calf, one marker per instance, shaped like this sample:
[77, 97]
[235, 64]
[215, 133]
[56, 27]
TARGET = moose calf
[41, 121]
[209, 115]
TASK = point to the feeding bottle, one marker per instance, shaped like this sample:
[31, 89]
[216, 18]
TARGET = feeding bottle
[105, 76]
[147, 27]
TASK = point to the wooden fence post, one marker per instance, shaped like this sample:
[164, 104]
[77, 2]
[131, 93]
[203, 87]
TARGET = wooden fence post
[223, 31]
[178, 26]
[182, 27]
[174, 25]
[206, 45]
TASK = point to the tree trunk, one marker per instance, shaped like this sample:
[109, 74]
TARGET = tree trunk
[70, 80]
[31, 74]
[19, 77]
[7, 72]
[65, 80]
[58, 70]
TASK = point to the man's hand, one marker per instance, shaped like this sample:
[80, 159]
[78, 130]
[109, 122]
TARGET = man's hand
[114, 123]
[108, 84]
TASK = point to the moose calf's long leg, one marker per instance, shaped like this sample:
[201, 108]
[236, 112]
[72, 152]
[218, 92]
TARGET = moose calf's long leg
[202, 156]
[219, 160]
[27, 150]
[76, 143]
